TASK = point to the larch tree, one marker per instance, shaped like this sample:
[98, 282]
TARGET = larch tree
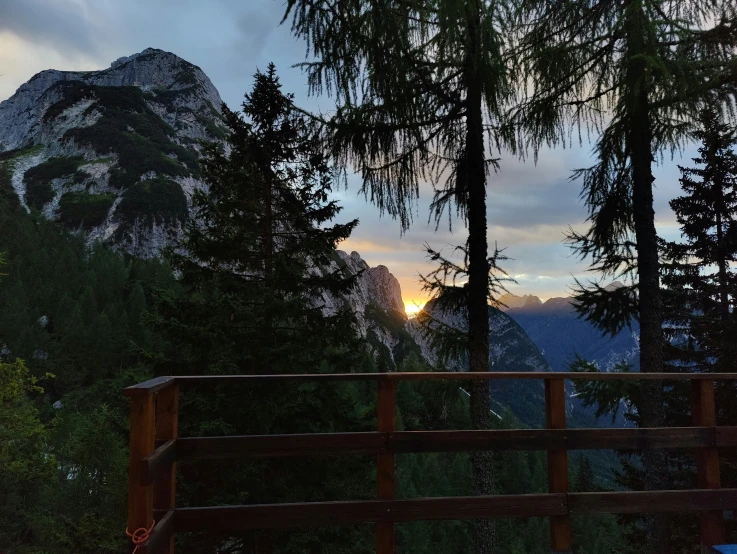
[419, 86]
[635, 72]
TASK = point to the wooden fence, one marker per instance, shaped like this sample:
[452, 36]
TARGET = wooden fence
[155, 447]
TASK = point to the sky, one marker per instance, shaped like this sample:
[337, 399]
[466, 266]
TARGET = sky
[530, 206]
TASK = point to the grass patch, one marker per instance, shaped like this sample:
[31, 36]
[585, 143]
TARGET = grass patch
[38, 179]
[158, 200]
[53, 168]
[18, 152]
[83, 209]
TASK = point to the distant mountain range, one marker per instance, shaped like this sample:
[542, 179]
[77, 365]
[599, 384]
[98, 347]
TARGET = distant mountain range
[555, 328]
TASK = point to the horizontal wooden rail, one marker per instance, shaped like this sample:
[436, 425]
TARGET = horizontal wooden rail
[641, 502]
[149, 387]
[261, 446]
[317, 514]
[404, 442]
[158, 462]
[562, 439]
[161, 533]
[158, 383]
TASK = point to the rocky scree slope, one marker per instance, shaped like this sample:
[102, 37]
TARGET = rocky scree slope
[111, 153]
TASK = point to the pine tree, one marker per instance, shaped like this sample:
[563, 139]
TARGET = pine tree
[700, 283]
[419, 87]
[697, 272]
[256, 265]
[638, 72]
[261, 238]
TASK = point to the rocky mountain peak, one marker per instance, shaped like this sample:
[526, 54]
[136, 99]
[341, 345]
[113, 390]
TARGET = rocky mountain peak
[153, 71]
[112, 153]
[510, 300]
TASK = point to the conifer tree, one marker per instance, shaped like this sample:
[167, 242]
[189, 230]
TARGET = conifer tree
[637, 71]
[419, 87]
[697, 274]
[261, 238]
[257, 264]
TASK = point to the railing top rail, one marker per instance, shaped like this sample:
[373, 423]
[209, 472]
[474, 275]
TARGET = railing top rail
[158, 383]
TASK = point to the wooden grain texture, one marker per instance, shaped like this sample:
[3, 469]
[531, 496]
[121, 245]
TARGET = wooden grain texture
[555, 418]
[167, 429]
[315, 514]
[386, 414]
[568, 439]
[162, 535]
[261, 446]
[703, 413]
[142, 438]
[634, 502]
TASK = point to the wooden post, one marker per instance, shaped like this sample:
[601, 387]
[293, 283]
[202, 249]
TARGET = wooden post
[555, 418]
[703, 414]
[385, 464]
[167, 424]
[140, 497]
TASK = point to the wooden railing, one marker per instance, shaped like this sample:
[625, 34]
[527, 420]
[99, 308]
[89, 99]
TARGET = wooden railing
[155, 447]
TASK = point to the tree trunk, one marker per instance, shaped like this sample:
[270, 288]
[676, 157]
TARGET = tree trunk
[478, 279]
[651, 407]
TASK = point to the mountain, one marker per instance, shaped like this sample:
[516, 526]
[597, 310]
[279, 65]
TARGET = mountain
[114, 155]
[111, 153]
[555, 328]
[510, 349]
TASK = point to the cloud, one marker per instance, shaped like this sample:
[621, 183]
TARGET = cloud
[529, 205]
[64, 26]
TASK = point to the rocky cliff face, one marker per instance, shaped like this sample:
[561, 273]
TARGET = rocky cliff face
[112, 153]
[171, 81]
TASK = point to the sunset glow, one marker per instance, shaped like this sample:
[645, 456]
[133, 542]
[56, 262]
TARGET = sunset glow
[412, 308]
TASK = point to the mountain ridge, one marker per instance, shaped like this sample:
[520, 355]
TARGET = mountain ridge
[112, 153]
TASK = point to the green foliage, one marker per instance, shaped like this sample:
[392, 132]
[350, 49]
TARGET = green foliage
[24, 467]
[152, 201]
[38, 179]
[83, 209]
[73, 92]
[78, 314]
[142, 141]
[8, 198]
[698, 270]
[248, 304]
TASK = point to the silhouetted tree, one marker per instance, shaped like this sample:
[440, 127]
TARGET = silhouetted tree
[419, 87]
[637, 71]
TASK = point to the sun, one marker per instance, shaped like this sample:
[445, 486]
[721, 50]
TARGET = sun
[412, 308]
